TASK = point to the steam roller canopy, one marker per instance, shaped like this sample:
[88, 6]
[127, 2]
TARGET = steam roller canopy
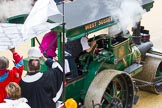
[152, 65]
[110, 89]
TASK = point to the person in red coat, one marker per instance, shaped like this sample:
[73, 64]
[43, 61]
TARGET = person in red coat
[6, 75]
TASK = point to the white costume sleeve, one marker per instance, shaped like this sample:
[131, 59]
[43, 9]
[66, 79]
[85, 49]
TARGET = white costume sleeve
[84, 43]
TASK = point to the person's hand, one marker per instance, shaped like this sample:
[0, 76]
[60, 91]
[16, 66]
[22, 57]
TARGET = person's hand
[43, 58]
[93, 43]
[92, 46]
[12, 50]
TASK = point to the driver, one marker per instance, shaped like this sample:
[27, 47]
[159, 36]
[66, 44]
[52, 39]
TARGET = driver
[73, 49]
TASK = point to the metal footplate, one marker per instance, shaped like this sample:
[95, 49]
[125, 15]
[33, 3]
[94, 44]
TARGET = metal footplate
[134, 69]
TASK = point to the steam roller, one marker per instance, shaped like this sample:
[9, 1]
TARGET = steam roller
[115, 91]
[149, 79]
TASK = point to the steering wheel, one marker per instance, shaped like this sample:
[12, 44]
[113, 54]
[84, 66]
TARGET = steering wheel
[101, 42]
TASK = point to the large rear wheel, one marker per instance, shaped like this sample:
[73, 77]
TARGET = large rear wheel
[110, 89]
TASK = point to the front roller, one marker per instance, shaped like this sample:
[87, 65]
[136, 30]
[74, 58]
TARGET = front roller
[152, 65]
[110, 89]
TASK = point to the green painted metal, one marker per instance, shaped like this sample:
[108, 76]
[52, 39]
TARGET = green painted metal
[136, 71]
[59, 47]
[19, 19]
[148, 6]
[74, 89]
[108, 97]
[93, 69]
[81, 31]
[122, 49]
[43, 66]
[32, 42]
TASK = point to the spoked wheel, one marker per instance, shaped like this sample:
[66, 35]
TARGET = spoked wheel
[110, 89]
[116, 93]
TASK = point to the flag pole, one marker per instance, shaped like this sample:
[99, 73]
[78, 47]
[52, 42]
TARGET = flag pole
[63, 49]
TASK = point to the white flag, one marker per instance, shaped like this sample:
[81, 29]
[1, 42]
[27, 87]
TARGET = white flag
[39, 14]
[11, 36]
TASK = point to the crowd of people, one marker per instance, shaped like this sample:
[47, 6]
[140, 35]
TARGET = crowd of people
[39, 89]
[36, 89]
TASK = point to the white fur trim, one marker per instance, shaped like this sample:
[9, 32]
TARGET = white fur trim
[56, 64]
[84, 43]
[58, 95]
[32, 78]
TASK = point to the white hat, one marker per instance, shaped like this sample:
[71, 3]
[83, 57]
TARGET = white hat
[34, 53]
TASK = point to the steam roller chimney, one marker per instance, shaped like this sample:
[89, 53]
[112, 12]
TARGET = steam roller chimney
[136, 37]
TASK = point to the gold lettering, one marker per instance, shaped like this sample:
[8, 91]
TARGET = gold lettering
[100, 22]
[90, 26]
[104, 21]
